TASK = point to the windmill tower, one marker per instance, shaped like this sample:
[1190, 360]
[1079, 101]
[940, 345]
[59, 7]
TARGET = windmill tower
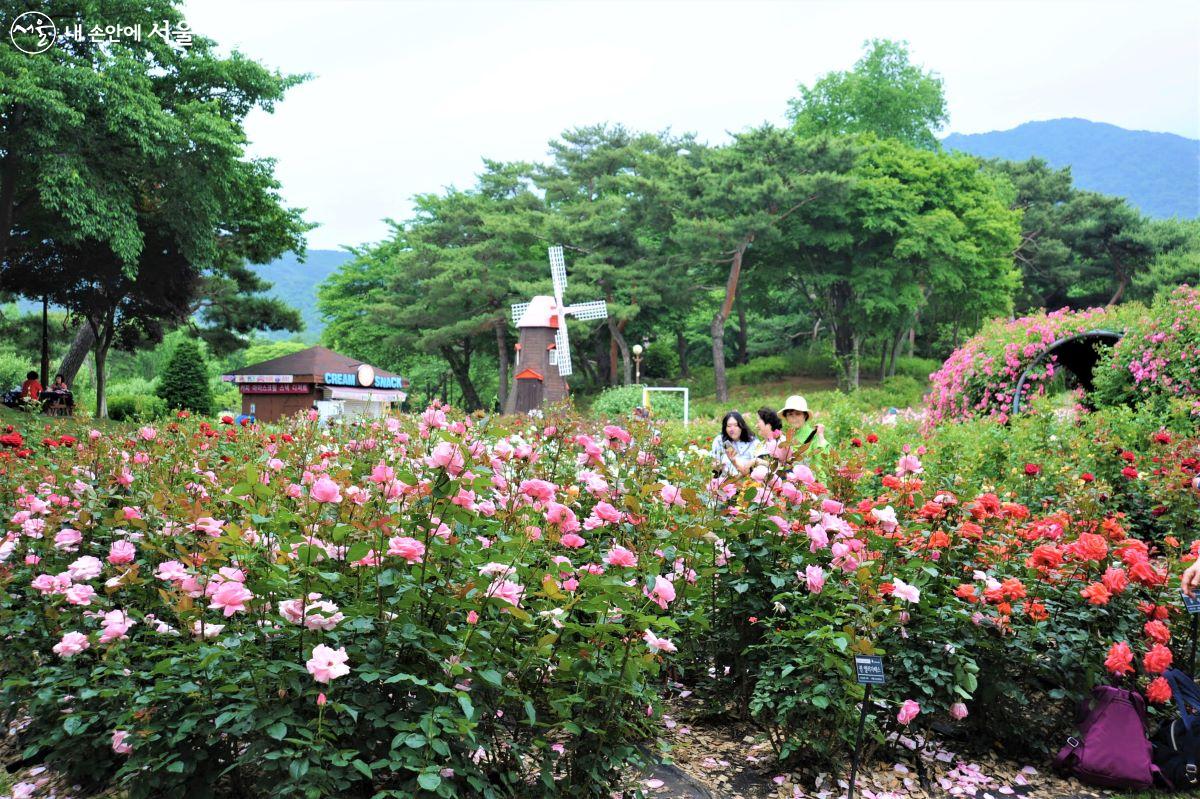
[544, 349]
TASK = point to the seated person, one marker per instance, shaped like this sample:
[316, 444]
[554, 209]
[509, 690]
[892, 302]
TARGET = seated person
[59, 392]
[733, 449]
[31, 388]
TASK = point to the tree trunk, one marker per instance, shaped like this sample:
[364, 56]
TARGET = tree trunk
[743, 355]
[681, 348]
[502, 356]
[45, 340]
[896, 347]
[845, 340]
[461, 367]
[718, 323]
[619, 343]
[100, 354]
[81, 345]
[1122, 282]
[954, 342]
[912, 336]
[718, 353]
[884, 349]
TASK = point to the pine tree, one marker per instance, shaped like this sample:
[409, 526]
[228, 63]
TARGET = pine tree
[184, 382]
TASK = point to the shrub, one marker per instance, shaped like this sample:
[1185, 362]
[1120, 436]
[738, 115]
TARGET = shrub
[496, 641]
[136, 407]
[980, 378]
[620, 401]
[1158, 358]
[184, 381]
[13, 369]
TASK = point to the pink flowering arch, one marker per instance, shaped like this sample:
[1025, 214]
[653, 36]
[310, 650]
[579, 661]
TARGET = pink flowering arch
[982, 377]
[1158, 360]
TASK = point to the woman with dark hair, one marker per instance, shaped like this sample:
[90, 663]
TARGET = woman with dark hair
[733, 449]
[770, 428]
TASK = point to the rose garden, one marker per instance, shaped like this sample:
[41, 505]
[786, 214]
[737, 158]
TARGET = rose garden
[451, 605]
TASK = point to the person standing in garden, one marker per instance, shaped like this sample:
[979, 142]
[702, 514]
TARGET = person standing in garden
[733, 449]
[803, 437]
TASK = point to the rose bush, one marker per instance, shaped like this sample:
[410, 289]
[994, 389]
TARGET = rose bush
[454, 607]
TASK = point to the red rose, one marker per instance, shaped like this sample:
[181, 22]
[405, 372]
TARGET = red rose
[1130, 472]
[1129, 456]
[872, 438]
[1120, 659]
[1158, 691]
[1096, 594]
[856, 442]
[1087, 477]
[1157, 631]
[1088, 546]
[1032, 469]
[1162, 437]
[1157, 659]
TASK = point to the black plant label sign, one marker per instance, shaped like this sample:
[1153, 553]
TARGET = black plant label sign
[1191, 603]
[869, 668]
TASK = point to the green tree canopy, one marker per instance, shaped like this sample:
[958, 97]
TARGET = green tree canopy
[884, 94]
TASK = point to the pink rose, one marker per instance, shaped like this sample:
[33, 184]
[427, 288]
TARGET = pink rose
[663, 592]
[572, 541]
[620, 556]
[230, 596]
[119, 744]
[657, 644]
[325, 490]
[327, 664]
[410, 549]
[908, 712]
[814, 578]
[71, 644]
[958, 711]
[121, 552]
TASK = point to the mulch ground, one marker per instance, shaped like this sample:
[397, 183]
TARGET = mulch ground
[735, 761]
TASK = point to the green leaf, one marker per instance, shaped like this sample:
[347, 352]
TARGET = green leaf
[277, 730]
[429, 780]
[362, 767]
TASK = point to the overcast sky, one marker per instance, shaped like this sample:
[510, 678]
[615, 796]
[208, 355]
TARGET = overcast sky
[407, 97]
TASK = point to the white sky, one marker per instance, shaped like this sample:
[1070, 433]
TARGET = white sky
[407, 97]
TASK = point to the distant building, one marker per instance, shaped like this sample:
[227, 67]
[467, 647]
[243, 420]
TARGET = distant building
[317, 377]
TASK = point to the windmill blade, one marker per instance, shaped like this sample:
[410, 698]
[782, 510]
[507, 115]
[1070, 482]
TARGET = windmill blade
[558, 272]
[563, 348]
[518, 310]
[598, 309]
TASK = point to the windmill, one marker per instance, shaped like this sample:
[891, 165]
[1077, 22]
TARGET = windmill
[544, 349]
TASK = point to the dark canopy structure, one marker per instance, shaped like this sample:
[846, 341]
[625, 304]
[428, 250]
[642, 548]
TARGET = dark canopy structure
[1076, 354]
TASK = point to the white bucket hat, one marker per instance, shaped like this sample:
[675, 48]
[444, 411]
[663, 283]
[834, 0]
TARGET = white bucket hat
[795, 403]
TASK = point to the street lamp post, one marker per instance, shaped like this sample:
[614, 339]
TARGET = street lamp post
[637, 363]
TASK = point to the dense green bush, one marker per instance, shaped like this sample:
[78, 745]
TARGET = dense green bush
[13, 369]
[183, 384]
[136, 407]
[620, 401]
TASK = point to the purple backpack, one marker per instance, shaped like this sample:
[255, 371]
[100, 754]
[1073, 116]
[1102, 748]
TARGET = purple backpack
[1112, 750]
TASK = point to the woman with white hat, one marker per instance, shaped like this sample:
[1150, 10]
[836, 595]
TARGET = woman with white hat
[803, 437]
